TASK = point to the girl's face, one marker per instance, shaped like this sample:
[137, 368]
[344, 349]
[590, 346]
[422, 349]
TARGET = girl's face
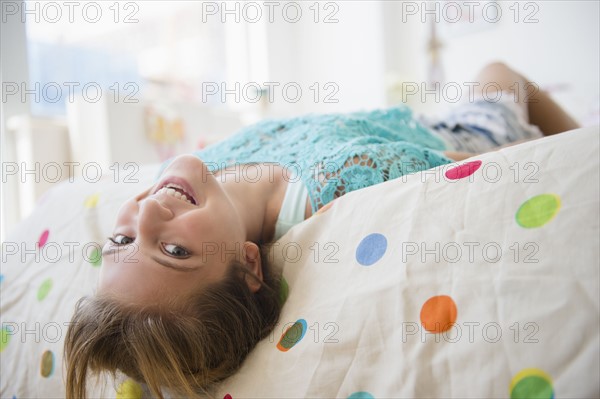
[174, 238]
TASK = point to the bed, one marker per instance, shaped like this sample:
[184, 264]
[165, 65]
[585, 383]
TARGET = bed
[476, 279]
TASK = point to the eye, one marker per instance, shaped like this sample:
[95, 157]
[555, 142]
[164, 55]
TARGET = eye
[176, 251]
[120, 239]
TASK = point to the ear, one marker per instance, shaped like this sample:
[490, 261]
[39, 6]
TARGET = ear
[253, 262]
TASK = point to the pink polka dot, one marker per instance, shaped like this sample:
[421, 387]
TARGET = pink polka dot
[228, 396]
[464, 170]
[43, 238]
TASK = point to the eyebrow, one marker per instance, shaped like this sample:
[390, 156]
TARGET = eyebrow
[158, 260]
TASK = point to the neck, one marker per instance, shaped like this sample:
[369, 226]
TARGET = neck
[257, 200]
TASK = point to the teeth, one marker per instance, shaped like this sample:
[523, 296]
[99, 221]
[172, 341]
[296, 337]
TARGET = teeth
[170, 191]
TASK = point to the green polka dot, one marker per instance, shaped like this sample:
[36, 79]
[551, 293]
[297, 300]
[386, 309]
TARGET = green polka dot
[292, 335]
[4, 338]
[532, 387]
[47, 364]
[44, 289]
[284, 291]
[95, 258]
[130, 390]
[538, 210]
[531, 383]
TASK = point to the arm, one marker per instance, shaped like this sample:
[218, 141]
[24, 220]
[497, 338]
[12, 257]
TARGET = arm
[459, 156]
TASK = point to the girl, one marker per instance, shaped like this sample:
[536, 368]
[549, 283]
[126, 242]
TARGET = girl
[186, 292]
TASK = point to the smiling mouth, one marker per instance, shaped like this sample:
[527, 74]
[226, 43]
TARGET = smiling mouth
[177, 191]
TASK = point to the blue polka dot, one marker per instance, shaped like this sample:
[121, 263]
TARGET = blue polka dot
[371, 249]
[292, 335]
[361, 395]
[1, 278]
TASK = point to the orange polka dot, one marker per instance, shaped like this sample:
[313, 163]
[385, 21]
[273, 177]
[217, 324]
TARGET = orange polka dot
[438, 314]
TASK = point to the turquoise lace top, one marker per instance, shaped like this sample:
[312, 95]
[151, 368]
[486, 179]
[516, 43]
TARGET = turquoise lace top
[335, 153]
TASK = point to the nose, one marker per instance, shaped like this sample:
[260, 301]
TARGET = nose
[152, 215]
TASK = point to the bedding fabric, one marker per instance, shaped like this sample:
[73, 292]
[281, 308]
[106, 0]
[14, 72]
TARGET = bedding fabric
[473, 279]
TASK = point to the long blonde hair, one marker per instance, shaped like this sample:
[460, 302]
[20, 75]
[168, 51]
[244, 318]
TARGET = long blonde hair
[184, 349]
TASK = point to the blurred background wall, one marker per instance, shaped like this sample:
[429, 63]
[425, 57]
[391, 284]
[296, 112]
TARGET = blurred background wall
[122, 84]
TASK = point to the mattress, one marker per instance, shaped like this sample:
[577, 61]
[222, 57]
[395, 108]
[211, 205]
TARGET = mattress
[474, 279]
